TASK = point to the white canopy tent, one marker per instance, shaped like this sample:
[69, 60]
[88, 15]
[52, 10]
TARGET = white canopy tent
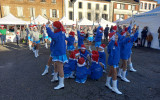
[66, 21]
[127, 21]
[152, 20]
[85, 21]
[117, 21]
[104, 22]
[40, 20]
[10, 19]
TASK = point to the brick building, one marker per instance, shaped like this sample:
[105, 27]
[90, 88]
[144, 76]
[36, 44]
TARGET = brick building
[30, 9]
[123, 9]
[147, 5]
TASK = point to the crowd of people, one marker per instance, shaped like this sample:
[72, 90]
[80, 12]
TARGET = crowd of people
[81, 62]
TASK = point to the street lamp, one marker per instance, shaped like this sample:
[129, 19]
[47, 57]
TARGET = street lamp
[73, 1]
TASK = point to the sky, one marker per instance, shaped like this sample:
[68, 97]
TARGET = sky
[158, 1]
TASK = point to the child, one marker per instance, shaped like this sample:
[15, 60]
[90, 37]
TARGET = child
[70, 67]
[80, 38]
[70, 42]
[113, 61]
[58, 51]
[82, 72]
[149, 40]
[102, 56]
[98, 37]
[84, 53]
[96, 69]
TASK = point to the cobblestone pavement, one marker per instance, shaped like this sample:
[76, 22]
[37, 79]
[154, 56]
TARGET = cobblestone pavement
[20, 78]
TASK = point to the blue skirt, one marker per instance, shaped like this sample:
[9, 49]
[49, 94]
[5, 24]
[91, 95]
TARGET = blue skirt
[29, 38]
[90, 39]
[115, 66]
[49, 39]
[62, 58]
[46, 37]
[97, 44]
[37, 42]
[70, 48]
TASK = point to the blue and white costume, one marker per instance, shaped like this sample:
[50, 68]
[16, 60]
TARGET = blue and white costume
[98, 37]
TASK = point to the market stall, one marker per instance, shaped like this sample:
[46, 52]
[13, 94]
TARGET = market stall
[11, 23]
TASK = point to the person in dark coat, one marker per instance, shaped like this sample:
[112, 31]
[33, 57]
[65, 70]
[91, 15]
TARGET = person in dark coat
[106, 32]
[143, 36]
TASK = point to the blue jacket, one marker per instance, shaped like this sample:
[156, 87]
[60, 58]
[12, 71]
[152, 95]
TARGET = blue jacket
[58, 45]
[96, 71]
[70, 40]
[82, 73]
[126, 48]
[80, 39]
[70, 66]
[102, 58]
[84, 55]
[99, 35]
[114, 51]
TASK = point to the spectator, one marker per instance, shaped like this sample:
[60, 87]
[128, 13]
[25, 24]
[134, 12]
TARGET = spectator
[149, 40]
[144, 35]
[3, 34]
[119, 29]
[111, 28]
[106, 32]
[23, 35]
[159, 36]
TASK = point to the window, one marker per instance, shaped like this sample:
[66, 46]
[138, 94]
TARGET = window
[54, 14]
[53, 1]
[70, 4]
[122, 6]
[141, 5]
[118, 6]
[80, 15]
[149, 6]
[89, 16]
[70, 15]
[105, 16]
[20, 11]
[80, 4]
[32, 13]
[117, 17]
[133, 7]
[43, 12]
[31, 0]
[105, 7]
[153, 6]
[122, 16]
[129, 7]
[6, 10]
[97, 16]
[43, 0]
[129, 16]
[97, 6]
[89, 5]
[145, 5]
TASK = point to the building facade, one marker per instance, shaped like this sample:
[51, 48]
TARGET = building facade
[91, 9]
[30, 9]
[147, 5]
[123, 9]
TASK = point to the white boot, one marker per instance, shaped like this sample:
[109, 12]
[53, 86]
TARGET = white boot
[61, 84]
[30, 47]
[72, 75]
[90, 48]
[114, 87]
[124, 76]
[37, 52]
[120, 72]
[45, 71]
[108, 82]
[55, 78]
[46, 45]
[131, 68]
